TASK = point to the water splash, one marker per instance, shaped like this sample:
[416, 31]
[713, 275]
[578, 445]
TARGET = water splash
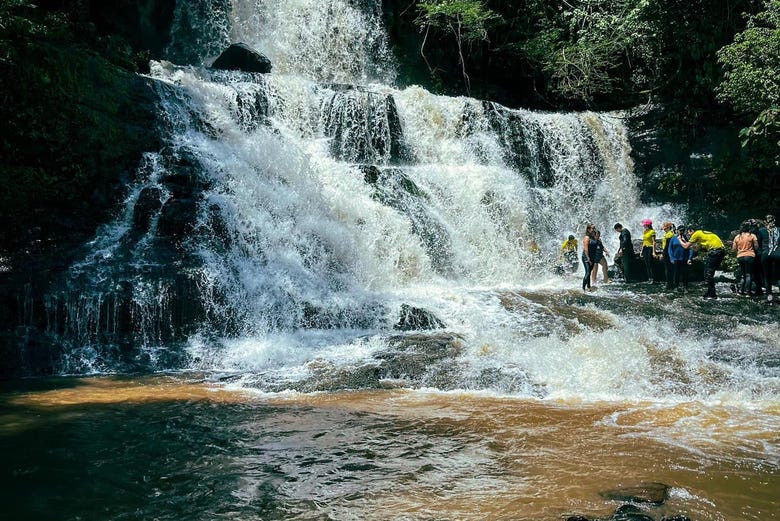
[341, 41]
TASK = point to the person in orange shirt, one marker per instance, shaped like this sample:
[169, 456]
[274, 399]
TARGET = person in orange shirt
[746, 246]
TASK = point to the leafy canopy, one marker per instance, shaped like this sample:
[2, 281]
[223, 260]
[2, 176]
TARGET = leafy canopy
[466, 20]
[752, 77]
[751, 80]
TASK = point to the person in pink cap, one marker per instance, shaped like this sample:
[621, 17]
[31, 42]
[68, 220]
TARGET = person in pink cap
[648, 248]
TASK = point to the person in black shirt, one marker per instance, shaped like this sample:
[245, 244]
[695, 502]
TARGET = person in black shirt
[588, 249]
[625, 251]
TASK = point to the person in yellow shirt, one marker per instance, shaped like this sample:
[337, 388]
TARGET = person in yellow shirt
[569, 252]
[669, 232]
[648, 248]
[710, 243]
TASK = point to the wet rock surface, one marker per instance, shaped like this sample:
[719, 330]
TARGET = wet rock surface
[641, 493]
[650, 495]
[241, 57]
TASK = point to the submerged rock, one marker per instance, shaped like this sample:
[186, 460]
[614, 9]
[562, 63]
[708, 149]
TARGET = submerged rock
[241, 57]
[641, 493]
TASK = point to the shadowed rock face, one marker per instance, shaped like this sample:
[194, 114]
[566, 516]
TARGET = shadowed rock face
[241, 57]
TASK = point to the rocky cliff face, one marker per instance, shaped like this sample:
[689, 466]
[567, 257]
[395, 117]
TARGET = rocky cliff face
[87, 134]
[77, 120]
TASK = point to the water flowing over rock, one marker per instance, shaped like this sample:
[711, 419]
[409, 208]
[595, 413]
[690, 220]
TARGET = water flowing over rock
[294, 201]
[319, 228]
[629, 513]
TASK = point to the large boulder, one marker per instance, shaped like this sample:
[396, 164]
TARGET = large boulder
[241, 57]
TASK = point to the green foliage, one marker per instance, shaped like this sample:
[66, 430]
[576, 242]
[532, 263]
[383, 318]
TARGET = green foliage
[602, 36]
[465, 20]
[751, 82]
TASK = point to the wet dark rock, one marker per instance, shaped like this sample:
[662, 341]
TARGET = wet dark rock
[341, 87]
[364, 127]
[416, 319]
[399, 150]
[416, 357]
[177, 218]
[642, 493]
[326, 377]
[241, 57]
[252, 110]
[443, 344]
[630, 513]
[182, 183]
[371, 174]
[219, 229]
[148, 204]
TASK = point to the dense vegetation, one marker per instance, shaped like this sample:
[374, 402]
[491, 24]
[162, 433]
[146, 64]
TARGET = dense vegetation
[76, 119]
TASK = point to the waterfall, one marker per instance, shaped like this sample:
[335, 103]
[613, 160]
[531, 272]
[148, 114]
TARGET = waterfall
[322, 197]
[322, 228]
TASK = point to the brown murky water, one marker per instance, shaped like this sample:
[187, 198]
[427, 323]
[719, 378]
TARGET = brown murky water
[178, 447]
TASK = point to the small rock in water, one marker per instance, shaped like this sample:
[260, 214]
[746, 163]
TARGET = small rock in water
[678, 517]
[630, 513]
[641, 493]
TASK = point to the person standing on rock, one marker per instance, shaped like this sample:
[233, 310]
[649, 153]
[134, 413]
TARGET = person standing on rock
[669, 233]
[599, 259]
[588, 249]
[713, 245]
[746, 245]
[626, 250]
[769, 239]
[648, 248]
[681, 260]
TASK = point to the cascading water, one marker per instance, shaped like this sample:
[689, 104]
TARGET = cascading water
[348, 233]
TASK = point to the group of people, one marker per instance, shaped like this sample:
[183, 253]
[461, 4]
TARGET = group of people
[757, 248]
[593, 255]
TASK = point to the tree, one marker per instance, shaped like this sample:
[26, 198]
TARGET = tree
[466, 20]
[605, 37]
[751, 82]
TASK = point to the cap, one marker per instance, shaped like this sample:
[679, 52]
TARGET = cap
[647, 222]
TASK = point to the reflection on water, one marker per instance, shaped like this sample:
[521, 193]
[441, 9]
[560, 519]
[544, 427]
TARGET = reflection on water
[177, 447]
